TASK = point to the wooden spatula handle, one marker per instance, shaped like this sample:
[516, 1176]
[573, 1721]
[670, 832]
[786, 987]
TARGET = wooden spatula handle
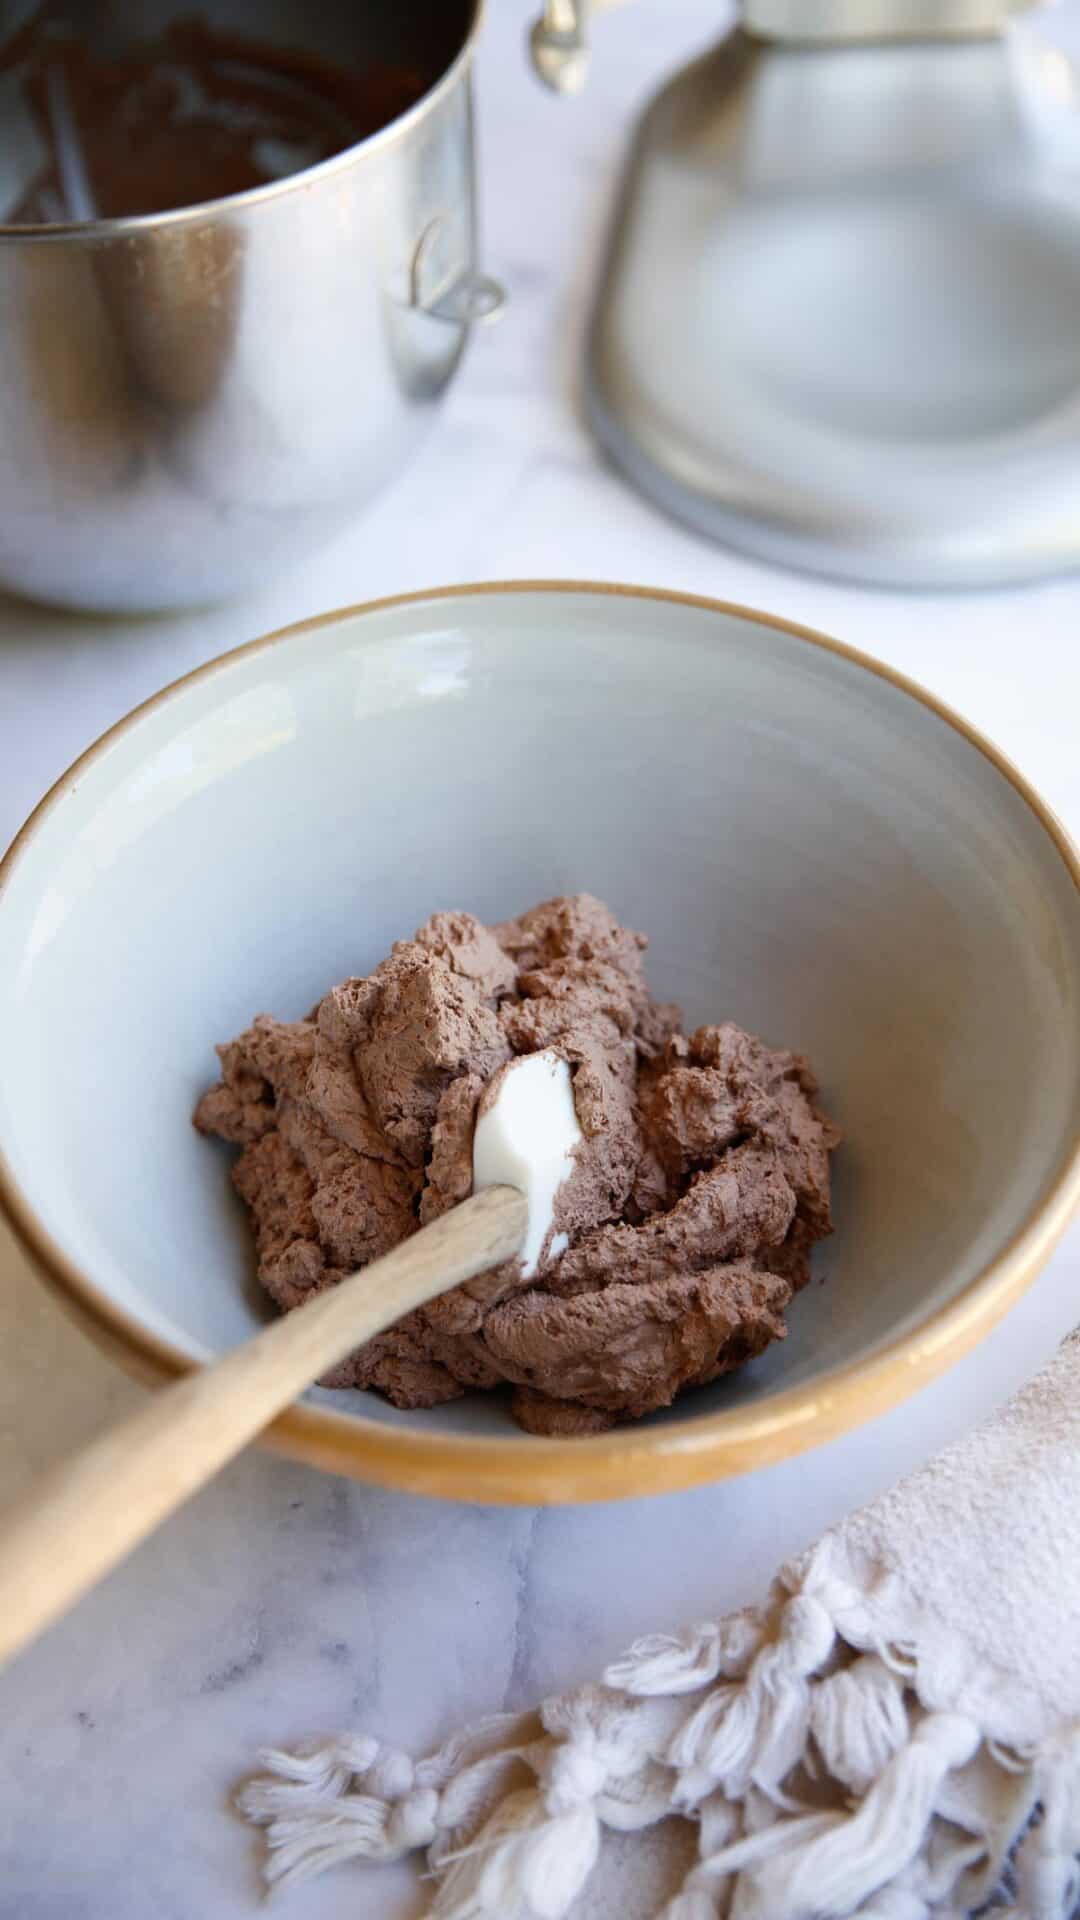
[86, 1514]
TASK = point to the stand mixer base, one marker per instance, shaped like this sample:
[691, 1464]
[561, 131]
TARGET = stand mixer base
[839, 321]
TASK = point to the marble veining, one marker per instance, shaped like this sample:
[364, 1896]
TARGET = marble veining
[282, 1602]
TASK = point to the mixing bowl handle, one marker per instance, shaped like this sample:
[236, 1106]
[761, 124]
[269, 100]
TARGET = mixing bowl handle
[440, 286]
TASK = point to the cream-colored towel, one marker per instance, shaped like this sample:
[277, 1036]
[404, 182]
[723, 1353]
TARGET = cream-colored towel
[895, 1733]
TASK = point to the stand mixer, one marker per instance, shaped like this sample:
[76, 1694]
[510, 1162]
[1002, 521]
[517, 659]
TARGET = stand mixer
[839, 320]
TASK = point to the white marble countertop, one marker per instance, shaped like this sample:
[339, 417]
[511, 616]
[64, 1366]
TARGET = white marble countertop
[283, 1601]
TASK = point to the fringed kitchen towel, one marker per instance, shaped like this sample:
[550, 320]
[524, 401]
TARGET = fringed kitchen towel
[895, 1733]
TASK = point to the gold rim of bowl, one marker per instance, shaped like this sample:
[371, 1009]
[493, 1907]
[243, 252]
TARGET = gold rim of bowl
[519, 1469]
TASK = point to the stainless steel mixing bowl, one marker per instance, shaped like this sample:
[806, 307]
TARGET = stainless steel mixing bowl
[195, 399]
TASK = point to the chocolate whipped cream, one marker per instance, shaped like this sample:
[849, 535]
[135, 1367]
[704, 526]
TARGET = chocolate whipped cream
[698, 1190]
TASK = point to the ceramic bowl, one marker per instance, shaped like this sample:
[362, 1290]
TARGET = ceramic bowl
[817, 849]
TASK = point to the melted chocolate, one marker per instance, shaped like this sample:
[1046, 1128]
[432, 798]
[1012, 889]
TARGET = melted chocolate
[191, 116]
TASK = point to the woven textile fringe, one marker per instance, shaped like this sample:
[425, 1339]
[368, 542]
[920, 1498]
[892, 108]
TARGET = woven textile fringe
[825, 1777]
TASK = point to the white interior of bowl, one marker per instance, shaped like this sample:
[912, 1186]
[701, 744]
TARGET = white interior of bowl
[813, 852]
